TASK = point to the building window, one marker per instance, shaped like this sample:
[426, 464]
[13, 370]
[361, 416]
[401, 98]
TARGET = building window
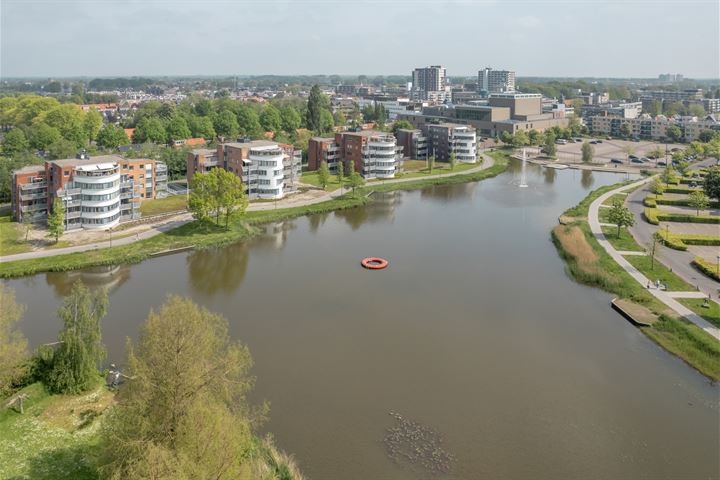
[66, 174]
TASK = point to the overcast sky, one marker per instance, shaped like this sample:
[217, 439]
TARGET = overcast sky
[603, 38]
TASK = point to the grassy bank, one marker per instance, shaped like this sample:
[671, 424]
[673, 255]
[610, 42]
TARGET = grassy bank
[58, 438]
[589, 263]
[204, 235]
[157, 206]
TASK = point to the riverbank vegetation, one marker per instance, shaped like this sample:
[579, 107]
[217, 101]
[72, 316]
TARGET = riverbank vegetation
[205, 234]
[588, 263]
[174, 413]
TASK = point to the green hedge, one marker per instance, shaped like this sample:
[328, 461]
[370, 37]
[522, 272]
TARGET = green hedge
[655, 216]
[680, 241]
[650, 202]
[672, 241]
[707, 268]
[680, 202]
[683, 190]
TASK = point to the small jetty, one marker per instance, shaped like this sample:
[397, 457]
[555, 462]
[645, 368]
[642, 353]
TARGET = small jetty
[636, 314]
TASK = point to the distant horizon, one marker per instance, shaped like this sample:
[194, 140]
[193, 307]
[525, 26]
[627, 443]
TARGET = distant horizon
[548, 39]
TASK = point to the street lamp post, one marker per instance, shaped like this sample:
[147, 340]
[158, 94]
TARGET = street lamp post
[718, 265]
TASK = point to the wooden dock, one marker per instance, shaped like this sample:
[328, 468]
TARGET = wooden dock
[636, 314]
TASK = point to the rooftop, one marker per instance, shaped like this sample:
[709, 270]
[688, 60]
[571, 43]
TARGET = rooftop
[252, 144]
[76, 162]
[30, 169]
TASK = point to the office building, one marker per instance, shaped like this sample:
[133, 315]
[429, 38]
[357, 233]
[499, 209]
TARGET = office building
[620, 109]
[269, 170]
[97, 193]
[647, 127]
[373, 154]
[413, 142]
[496, 81]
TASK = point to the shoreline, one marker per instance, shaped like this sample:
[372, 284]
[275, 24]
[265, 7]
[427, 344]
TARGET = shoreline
[194, 235]
[589, 263]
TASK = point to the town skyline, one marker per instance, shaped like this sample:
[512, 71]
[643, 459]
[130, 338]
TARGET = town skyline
[219, 38]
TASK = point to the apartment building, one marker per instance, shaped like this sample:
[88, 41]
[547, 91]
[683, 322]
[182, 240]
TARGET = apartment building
[413, 142]
[269, 170]
[612, 109]
[496, 81]
[654, 128]
[429, 83]
[97, 193]
[444, 139]
[371, 153]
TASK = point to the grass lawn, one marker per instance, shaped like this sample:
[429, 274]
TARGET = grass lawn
[659, 271]
[157, 206]
[56, 437]
[12, 238]
[711, 314]
[625, 242]
[612, 198]
[312, 178]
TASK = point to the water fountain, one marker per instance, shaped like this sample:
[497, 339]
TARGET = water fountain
[523, 174]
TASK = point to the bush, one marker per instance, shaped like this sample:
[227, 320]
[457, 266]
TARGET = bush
[655, 216]
[706, 267]
[680, 241]
[680, 202]
[650, 202]
[651, 215]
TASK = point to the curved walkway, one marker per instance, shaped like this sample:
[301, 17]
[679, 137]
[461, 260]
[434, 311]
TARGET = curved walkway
[661, 295]
[184, 218]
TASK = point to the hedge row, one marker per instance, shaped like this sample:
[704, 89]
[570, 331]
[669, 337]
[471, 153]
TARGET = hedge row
[655, 216]
[683, 190]
[678, 202]
[706, 267]
[680, 241]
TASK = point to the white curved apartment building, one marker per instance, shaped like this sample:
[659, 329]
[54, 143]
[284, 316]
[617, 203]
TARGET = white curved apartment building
[464, 144]
[98, 186]
[380, 156]
[265, 172]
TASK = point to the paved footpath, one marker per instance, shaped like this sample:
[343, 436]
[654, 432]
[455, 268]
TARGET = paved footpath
[182, 219]
[664, 297]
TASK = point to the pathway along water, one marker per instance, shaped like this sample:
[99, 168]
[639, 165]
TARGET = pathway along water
[475, 333]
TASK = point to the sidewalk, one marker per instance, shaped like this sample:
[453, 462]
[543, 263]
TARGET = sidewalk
[664, 297]
[185, 218]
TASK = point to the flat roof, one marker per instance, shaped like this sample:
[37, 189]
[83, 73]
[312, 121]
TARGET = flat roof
[203, 151]
[30, 169]
[96, 166]
[252, 144]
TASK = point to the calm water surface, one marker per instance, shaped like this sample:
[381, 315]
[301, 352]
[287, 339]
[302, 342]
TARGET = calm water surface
[474, 330]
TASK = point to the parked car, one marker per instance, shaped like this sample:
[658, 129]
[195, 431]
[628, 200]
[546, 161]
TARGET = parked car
[600, 141]
[633, 157]
[661, 163]
[561, 141]
[616, 160]
[594, 142]
[675, 149]
[579, 140]
[636, 160]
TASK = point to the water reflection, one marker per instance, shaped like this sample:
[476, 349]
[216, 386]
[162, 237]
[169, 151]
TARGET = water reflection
[587, 179]
[382, 209]
[549, 174]
[104, 276]
[316, 221]
[218, 269]
[274, 235]
[450, 193]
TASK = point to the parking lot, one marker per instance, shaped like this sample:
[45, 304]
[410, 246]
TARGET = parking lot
[611, 149]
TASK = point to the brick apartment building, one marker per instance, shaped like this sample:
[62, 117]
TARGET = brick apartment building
[268, 169]
[97, 192]
[371, 153]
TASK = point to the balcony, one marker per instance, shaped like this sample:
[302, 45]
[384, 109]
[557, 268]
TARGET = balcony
[160, 167]
[31, 186]
[32, 196]
[126, 195]
[33, 208]
[69, 192]
[75, 214]
[126, 206]
[161, 178]
[209, 163]
[127, 184]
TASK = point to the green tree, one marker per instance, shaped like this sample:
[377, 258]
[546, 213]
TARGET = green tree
[711, 183]
[270, 118]
[339, 119]
[28, 219]
[621, 216]
[112, 136]
[15, 142]
[76, 361]
[696, 110]
[61, 149]
[327, 122]
[651, 248]
[587, 152]
[673, 133]
[69, 120]
[201, 127]
[520, 139]
[506, 137]
[668, 176]
[184, 412]
[355, 180]
[92, 122]
[323, 175]
[657, 187]
[535, 137]
[177, 129]
[249, 122]
[13, 345]
[340, 172]
[290, 118]
[150, 129]
[315, 107]
[202, 201]
[708, 136]
[625, 129]
[56, 220]
[655, 108]
[549, 147]
[698, 200]
[628, 150]
[453, 160]
[401, 125]
[682, 166]
[226, 125]
[655, 153]
[43, 135]
[231, 198]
